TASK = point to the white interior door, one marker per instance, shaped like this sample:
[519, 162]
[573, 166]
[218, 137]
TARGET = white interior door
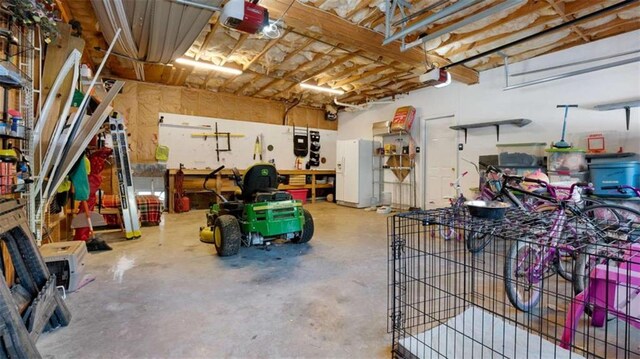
[441, 147]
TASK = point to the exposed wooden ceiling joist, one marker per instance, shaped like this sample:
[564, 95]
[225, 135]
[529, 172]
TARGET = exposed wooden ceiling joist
[559, 9]
[330, 40]
[301, 16]
[207, 40]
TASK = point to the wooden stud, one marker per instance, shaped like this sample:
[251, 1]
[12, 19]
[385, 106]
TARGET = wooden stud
[338, 29]
[207, 40]
[268, 47]
[559, 9]
[247, 84]
[337, 76]
[210, 74]
[361, 76]
[361, 5]
[338, 62]
[611, 28]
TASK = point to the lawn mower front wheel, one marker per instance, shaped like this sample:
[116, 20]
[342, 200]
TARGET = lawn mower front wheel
[307, 229]
[226, 235]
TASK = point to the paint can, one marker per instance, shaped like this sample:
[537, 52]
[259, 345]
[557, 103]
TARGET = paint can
[17, 129]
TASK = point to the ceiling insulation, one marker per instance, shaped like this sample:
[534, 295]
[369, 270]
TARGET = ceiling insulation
[353, 62]
[489, 20]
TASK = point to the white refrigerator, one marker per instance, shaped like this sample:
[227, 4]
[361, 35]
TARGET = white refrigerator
[354, 173]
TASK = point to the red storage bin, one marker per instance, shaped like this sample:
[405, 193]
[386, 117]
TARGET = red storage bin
[300, 194]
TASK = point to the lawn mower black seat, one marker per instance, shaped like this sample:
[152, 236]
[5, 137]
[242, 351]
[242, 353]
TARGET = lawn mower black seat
[260, 183]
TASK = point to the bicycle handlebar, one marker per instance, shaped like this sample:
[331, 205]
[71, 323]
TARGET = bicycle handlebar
[491, 168]
[550, 188]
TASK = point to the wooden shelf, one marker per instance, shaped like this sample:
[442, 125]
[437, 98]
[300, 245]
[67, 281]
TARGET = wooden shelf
[223, 184]
[627, 105]
[518, 122]
[10, 137]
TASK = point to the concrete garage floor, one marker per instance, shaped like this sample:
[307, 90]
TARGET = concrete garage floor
[323, 299]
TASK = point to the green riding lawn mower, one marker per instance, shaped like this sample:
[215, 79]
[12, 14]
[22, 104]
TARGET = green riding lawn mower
[259, 214]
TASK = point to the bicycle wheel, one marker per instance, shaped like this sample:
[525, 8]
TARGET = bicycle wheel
[615, 222]
[565, 264]
[476, 241]
[523, 292]
[585, 262]
[447, 229]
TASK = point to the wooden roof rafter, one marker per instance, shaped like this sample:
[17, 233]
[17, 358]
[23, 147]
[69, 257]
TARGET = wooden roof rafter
[559, 9]
[311, 76]
[516, 16]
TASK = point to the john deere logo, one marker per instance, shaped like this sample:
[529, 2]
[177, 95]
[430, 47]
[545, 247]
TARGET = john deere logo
[264, 172]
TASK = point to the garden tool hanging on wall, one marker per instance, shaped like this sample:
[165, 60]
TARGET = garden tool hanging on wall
[314, 157]
[257, 148]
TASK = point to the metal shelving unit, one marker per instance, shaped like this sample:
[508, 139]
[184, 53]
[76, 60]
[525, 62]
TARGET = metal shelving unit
[405, 163]
[23, 51]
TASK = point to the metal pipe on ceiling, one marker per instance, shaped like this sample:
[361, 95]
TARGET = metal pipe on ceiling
[466, 21]
[199, 5]
[419, 12]
[449, 10]
[574, 63]
[573, 73]
[544, 32]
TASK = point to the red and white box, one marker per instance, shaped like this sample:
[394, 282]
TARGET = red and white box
[403, 119]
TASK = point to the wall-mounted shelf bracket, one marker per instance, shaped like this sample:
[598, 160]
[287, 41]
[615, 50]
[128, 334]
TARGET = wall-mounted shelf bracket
[618, 106]
[519, 122]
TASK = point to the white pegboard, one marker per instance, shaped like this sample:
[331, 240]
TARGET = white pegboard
[196, 152]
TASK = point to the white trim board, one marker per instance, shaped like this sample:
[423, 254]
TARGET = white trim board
[196, 152]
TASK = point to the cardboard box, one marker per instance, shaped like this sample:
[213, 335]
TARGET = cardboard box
[403, 119]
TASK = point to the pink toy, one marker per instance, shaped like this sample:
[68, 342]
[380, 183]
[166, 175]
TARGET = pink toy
[611, 289]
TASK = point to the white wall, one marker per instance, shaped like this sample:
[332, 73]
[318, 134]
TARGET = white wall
[195, 152]
[487, 101]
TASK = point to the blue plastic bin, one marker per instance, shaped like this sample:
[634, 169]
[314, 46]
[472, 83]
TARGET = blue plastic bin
[615, 174]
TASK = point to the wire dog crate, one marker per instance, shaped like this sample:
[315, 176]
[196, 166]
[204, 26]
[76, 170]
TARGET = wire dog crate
[446, 301]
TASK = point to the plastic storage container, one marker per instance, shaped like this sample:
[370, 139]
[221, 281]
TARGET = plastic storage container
[521, 170]
[570, 159]
[615, 174]
[568, 177]
[299, 194]
[521, 154]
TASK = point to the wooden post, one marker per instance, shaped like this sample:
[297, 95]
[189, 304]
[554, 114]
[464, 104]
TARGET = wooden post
[313, 188]
[172, 183]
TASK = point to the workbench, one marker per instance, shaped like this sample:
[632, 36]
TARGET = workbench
[223, 183]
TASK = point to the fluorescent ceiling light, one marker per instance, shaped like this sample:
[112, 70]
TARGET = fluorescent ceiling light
[321, 89]
[446, 83]
[208, 66]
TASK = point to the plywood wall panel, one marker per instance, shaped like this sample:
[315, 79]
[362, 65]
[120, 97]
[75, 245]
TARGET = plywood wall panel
[140, 104]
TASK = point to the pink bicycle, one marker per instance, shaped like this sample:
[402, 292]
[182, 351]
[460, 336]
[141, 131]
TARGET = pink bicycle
[448, 230]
